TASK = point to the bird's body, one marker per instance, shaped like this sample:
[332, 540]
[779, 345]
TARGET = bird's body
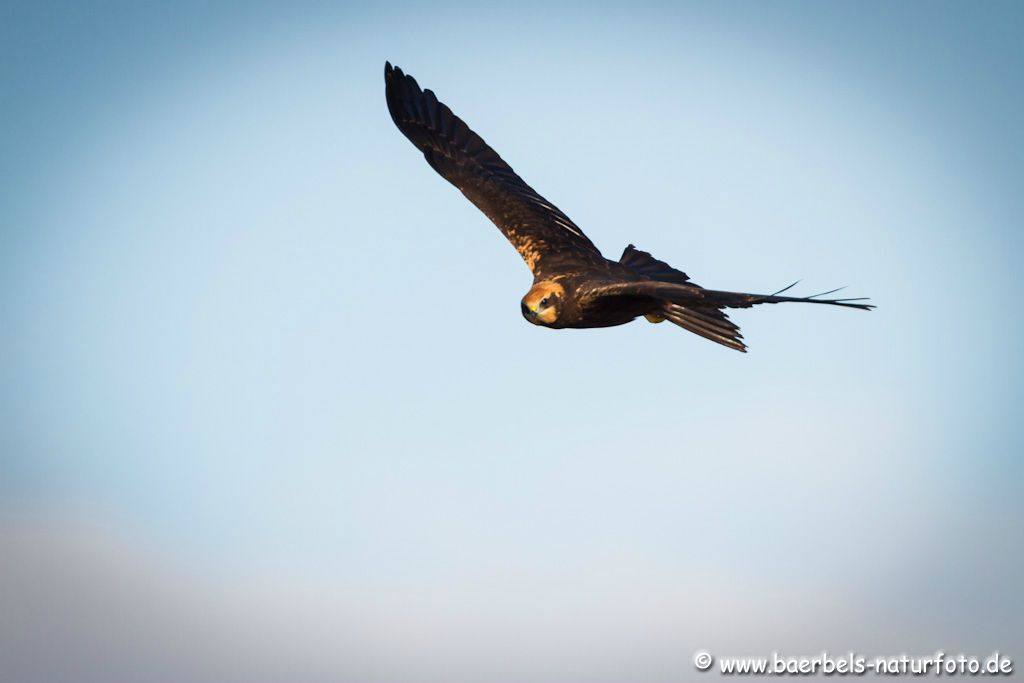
[574, 286]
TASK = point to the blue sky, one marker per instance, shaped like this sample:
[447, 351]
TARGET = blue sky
[259, 358]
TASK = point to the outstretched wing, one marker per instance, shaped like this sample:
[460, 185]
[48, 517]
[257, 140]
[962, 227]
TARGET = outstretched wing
[693, 295]
[544, 236]
[697, 309]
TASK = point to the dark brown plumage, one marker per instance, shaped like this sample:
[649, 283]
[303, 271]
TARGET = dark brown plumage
[573, 284]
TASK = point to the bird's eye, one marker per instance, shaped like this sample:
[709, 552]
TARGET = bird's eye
[544, 302]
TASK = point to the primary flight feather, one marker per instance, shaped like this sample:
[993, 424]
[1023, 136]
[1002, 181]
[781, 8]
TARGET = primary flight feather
[573, 284]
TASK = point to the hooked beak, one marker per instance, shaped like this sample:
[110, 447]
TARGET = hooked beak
[529, 313]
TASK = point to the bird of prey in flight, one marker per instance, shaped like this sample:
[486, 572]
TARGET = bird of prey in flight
[573, 284]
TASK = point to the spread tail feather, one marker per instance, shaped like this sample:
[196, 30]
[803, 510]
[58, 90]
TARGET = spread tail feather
[710, 323]
[645, 264]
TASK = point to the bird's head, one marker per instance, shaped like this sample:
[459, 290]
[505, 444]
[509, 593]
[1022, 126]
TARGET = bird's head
[541, 304]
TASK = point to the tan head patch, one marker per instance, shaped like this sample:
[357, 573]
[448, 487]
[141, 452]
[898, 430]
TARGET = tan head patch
[548, 289]
[541, 290]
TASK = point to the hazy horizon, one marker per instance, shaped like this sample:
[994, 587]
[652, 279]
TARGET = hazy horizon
[269, 410]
